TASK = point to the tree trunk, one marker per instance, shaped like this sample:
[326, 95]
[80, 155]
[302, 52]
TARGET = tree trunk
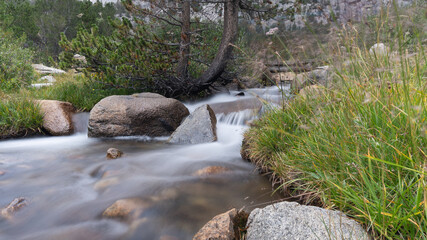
[184, 47]
[229, 35]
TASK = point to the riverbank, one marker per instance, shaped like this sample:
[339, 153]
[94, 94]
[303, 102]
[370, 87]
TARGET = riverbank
[359, 144]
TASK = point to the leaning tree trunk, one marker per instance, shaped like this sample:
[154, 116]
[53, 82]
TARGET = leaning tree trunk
[229, 35]
[184, 46]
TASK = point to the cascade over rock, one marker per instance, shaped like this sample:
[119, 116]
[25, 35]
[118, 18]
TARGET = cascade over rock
[147, 114]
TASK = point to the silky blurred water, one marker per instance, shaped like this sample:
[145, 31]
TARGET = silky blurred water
[68, 183]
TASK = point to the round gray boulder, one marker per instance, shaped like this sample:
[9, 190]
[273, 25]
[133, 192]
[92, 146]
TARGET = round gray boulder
[290, 220]
[146, 114]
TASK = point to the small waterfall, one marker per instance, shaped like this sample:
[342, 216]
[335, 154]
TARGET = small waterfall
[237, 118]
[80, 122]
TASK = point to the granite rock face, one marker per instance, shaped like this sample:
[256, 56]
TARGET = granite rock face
[146, 114]
[199, 127]
[290, 220]
[321, 12]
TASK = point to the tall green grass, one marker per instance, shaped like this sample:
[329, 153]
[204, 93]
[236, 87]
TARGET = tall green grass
[76, 89]
[19, 116]
[359, 146]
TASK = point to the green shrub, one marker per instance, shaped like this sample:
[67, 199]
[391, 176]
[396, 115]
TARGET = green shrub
[76, 89]
[15, 63]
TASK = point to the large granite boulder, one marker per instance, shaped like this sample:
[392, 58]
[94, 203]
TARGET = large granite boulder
[290, 220]
[57, 117]
[221, 227]
[147, 114]
[199, 127]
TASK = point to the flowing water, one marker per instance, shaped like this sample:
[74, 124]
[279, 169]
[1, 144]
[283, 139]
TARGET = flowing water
[68, 182]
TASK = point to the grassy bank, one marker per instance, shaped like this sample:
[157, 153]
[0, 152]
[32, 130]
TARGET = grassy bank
[359, 146]
[20, 115]
[76, 89]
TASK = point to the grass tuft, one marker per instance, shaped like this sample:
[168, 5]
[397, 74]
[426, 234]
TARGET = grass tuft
[19, 116]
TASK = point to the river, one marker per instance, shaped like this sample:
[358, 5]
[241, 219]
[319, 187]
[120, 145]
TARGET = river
[68, 182]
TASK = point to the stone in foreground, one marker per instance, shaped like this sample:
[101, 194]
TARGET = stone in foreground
[146, 114]
[57, 117]
[13, 207]
[221, 227]
[114, 153]
[290, 220]
[199, 127]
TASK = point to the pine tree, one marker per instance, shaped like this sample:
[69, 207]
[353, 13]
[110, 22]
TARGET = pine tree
[153, 50]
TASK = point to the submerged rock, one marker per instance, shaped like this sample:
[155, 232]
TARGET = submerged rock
[2, 172]
[139, 114]
[105, 183]
[290, 220]
[221, 227]
[114, 153]
[126, 209]
[212, 170]
[14, 206]
[57, 117]
[199, 127]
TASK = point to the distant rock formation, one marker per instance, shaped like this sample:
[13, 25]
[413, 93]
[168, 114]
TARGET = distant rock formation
[321, 12]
